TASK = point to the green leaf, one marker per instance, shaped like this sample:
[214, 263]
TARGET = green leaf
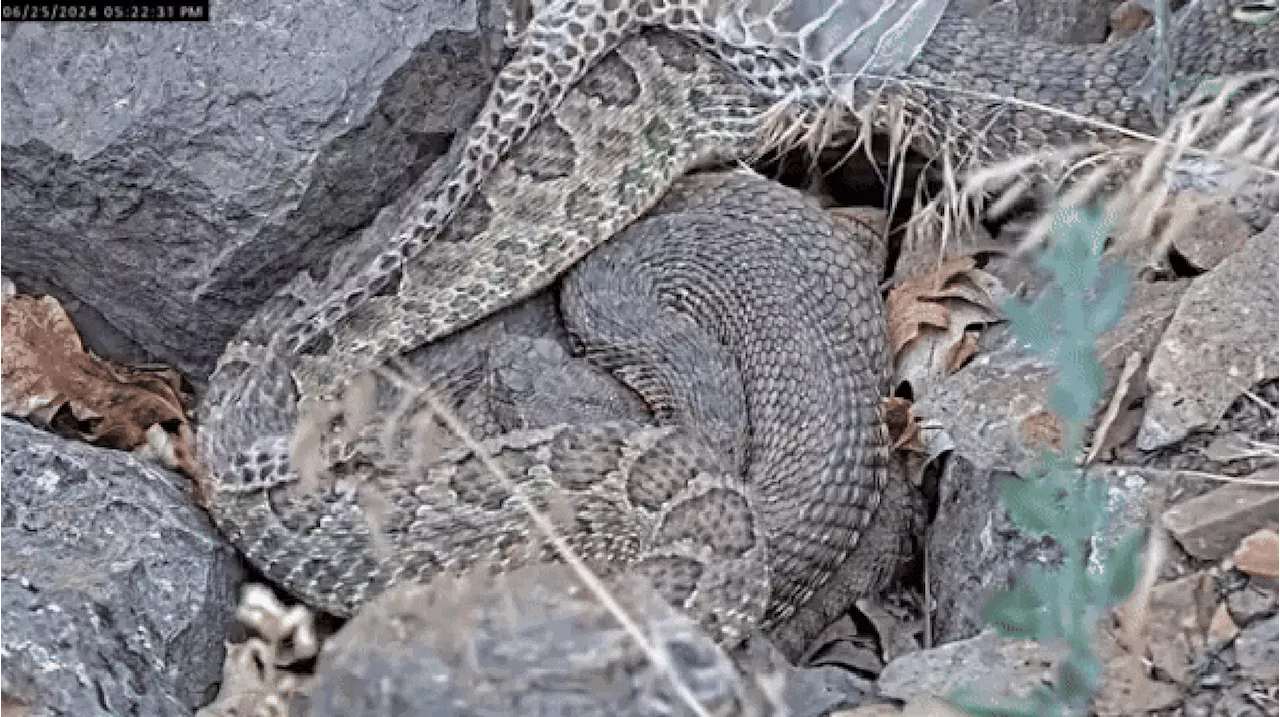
[1014, 613]
[1073, 256]
[1079, 386]
[1029, 324]
[1086, 298]
[1045, 584]
[1123, 566]
[1030, 506]
[1077, 677]
[1108, 307]
[971, 702]
[1073, 266]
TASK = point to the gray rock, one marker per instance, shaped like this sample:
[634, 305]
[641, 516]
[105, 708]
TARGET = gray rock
[975, 549]
[1221, 341]
[1256, 650]
[118, 592]
[988, 406]
[171, 176]
[1210, 526]
[988, 663]
[1252, 601]
[533, 642]
[816, 691]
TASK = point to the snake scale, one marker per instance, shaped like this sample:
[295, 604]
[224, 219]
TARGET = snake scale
[599, 114]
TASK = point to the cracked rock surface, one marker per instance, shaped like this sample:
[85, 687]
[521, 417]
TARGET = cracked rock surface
[117, 591]
[170, 176]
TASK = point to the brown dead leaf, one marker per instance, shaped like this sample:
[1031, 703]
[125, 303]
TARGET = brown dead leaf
[894, 632]
[904, 431]
[898, 631]
[50, 379]
[915, 302]
[1127, 19]
[963, 351]
[1259, 554]
[1104, 436]
[854, 655]
[932, 318]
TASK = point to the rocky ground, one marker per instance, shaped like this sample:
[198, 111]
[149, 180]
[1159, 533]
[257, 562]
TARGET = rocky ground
[172, 177]
[1187, 452]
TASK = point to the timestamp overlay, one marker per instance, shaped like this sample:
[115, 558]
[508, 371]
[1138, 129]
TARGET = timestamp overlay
[111, 11]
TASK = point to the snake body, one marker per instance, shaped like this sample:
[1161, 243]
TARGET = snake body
[815, 442]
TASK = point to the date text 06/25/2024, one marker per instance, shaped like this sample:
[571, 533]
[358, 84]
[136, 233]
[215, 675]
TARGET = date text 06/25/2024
[111, 11]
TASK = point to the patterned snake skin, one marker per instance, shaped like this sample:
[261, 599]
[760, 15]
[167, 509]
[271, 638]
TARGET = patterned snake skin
[585, 130]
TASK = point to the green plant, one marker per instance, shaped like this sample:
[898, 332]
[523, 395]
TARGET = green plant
[1054, 498]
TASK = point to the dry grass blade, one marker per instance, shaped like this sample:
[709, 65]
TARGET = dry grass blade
[856, 105]
[1137, 180]
[1133, 613]
[1131, 365]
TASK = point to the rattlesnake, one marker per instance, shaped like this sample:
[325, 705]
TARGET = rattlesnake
[336, 566]
[576, 176]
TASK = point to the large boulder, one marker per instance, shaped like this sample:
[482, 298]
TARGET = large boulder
[169, 176]
[118, 593]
